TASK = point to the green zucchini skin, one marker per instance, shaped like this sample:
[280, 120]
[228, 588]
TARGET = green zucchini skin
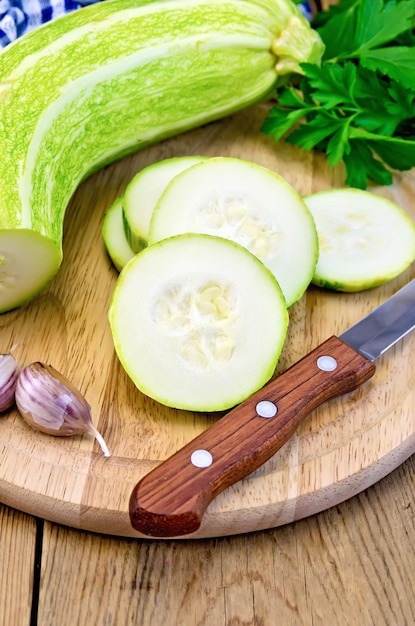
[95, 85]
[114, 236]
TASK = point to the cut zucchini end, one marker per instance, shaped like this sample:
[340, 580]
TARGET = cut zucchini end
[114, 236]
[142, 194]
[365, 239]
[198, 322]
[28, 262]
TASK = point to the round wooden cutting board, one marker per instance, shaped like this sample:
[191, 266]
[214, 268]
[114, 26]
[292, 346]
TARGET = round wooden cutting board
[340, 449]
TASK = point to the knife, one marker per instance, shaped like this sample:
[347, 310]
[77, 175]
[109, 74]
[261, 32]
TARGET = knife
[170, 501]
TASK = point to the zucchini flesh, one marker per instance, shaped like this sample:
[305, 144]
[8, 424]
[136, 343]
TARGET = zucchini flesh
[365, 239]
[249, 204]
[97, 84]
[198, 322]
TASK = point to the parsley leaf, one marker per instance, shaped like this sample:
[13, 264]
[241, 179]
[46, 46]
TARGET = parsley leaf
[280, 121]
[398, 62]
[334, 9]
[365, 25]
[398, 153]
[358, 106]
[402, 101]
[362, 165]
[380, 22]
[318, 129]
[332, 84]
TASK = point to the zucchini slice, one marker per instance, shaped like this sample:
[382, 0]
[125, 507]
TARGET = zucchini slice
[143, 192]
[249, 204]
[198, 322]
[365, 239]
[114, 236]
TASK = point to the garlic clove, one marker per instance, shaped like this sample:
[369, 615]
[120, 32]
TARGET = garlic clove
[51, 404]
[9, 372]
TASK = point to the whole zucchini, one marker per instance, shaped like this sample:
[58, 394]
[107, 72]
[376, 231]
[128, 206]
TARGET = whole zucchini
[110, 79]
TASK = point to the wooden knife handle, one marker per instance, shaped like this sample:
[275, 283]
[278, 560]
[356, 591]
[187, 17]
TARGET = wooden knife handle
[170, 501]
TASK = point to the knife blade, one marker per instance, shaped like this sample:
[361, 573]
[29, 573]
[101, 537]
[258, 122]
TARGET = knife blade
[170, 501]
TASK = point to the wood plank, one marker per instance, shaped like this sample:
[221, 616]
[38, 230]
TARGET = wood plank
[17, 550]
[343, 447]
[352, 564]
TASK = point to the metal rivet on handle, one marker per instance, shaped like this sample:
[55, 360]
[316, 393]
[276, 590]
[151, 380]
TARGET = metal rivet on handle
[201, 458]
[265, 408]
[327, 363]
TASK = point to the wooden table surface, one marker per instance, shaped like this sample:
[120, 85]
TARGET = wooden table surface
[352, 564]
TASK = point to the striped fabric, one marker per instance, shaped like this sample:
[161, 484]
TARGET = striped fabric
[20, 16]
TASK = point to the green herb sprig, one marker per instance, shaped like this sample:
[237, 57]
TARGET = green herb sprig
[358, 105]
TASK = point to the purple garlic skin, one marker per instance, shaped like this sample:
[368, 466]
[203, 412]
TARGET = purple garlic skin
[50, 403]
[9, 372]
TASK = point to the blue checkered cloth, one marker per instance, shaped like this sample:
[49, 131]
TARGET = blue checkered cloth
[305, 9]
[20, 16]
